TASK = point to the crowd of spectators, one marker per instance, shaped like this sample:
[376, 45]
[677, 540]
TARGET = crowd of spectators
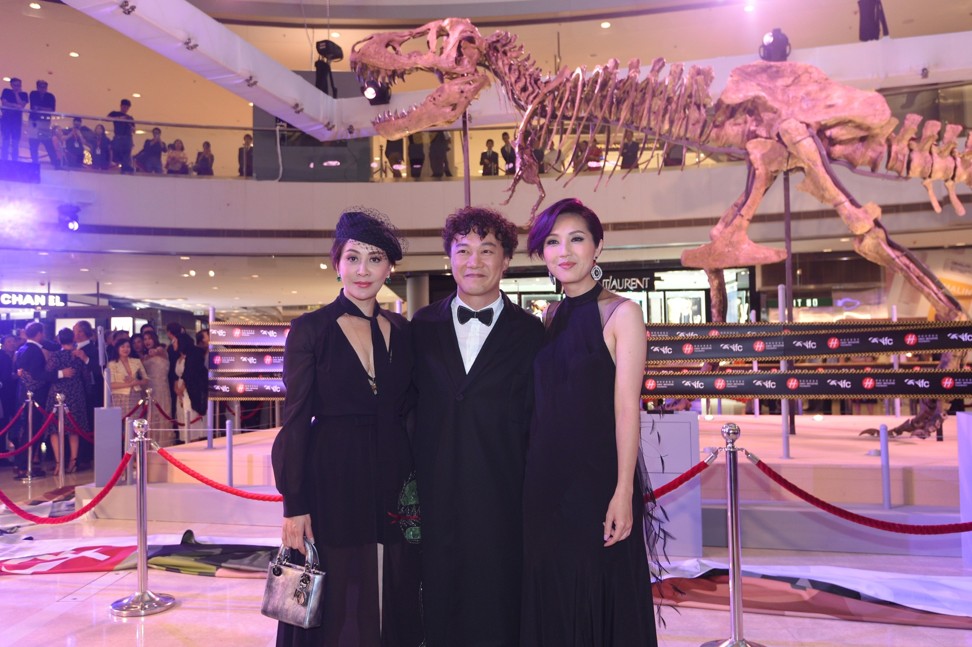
[177, 375]
[79, 146]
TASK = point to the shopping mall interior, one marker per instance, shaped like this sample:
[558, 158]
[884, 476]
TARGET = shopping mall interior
[246, 243]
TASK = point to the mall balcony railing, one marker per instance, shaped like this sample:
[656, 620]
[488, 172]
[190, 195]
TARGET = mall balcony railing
[285, 154]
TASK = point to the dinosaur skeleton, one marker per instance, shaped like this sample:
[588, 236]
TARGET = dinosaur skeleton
[777, 117]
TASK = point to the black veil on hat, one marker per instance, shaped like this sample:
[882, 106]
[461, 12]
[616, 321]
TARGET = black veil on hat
[371, 227]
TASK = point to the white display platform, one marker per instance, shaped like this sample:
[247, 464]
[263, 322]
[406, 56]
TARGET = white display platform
[965, 480]
[670, 447]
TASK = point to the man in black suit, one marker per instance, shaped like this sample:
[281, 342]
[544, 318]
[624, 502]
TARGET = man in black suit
[87, 352]
[31, 364]
[473, 370]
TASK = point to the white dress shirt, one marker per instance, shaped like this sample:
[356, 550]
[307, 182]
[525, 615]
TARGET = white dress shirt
[472, 334]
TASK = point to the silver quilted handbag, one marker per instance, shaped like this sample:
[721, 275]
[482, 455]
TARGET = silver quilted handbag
[294, 594]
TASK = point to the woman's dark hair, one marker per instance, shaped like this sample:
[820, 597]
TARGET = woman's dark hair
[113, 349]
[543, 223]
[482, 221]
[185, 343]
[65, 336]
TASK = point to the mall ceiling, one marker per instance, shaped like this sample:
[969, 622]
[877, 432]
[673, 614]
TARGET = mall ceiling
[37, 42]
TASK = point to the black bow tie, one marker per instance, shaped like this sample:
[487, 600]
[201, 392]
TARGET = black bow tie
[485, 316]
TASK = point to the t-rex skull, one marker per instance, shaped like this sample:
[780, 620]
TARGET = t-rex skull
[454, 51]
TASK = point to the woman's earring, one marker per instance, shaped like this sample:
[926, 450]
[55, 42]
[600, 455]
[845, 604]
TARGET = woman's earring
[388, 280]
[339, 278]
[553, 281]
[596, 271]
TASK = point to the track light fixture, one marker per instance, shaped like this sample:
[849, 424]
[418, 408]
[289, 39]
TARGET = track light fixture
[250, 81]
[126, 7]
[67, 216]
[775, 47]
[190, 44]
[377, 94]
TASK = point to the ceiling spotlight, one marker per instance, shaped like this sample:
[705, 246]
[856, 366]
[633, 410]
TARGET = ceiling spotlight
[605, 25]
[775, 47]
[73, 54]
[377, 94]
[67, 216]
[34, 5]
[127, 7]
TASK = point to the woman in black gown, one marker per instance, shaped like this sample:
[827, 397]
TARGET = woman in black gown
[342, 456]
[586, 576]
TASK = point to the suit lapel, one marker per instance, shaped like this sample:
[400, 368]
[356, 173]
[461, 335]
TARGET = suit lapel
[449, 343]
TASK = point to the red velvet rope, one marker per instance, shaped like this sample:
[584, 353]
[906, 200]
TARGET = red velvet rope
[20, 512]
[247, 416]
[677, 482]
[77, 428]
[213, 484]
[173, 420]
[902, 528]
[141, 404]
[14, 419]
[33, 440]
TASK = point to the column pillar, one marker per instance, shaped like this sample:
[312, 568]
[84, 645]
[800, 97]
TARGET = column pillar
[416, 292]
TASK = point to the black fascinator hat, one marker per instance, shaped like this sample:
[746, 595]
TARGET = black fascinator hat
[367, 226]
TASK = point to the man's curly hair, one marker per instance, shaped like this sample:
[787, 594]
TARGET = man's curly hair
[482, 221]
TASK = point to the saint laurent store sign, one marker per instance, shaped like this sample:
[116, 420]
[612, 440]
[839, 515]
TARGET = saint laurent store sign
[32, 300]
[628, 282]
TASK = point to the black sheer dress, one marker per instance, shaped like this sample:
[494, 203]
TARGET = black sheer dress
[342, 455]
[576, 592]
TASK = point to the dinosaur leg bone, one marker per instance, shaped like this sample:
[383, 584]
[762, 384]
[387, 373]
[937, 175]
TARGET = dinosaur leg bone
[731, 246]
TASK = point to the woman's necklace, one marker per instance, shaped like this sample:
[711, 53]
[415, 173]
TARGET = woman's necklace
[368, 365]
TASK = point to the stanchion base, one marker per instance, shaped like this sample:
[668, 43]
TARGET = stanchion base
[33, 475]
[142, 604]
[731, 643]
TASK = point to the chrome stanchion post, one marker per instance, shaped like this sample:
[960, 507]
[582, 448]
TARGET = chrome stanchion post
[128, 438]
[229, 451]
[144, 602]
[61, 438]
[27, 477]
[148, 411]
[730, 432]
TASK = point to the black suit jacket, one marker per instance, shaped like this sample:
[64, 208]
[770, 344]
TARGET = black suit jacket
[34, 377]
[470, 449]
[96, 390]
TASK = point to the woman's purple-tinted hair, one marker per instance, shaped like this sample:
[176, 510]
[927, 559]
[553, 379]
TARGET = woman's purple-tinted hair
[544, 223]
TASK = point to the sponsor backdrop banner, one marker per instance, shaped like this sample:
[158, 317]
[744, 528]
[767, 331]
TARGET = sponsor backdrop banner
[800, 344]
[247, 388]
[805, 385]
[256, 360]
[656, 331]
[230, 334]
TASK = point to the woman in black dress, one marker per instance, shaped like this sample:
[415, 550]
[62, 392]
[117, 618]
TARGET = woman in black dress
[342, 457]
[73, 384]
[586, 576]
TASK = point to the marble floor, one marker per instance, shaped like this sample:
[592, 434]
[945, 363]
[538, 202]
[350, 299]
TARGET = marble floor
[72, 610]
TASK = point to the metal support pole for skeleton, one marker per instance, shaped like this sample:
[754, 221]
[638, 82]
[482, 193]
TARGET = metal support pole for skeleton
[466, 186]
[229, 452]
[885, 467]
[731, 433]
[61, 439]
[784, 403]
[143, 602]
[896, 362]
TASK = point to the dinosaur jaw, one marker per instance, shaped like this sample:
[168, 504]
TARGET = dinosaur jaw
[444, 106]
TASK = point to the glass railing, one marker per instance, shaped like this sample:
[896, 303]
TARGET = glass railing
[92, 143]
